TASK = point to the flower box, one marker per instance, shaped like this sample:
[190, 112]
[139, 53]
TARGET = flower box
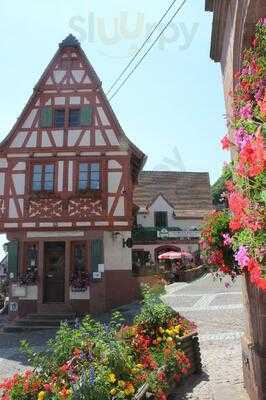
[190, 345]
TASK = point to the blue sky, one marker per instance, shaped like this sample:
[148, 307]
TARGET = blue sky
[172, 107]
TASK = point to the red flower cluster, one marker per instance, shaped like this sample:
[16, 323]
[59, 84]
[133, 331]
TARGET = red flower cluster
[252, 158]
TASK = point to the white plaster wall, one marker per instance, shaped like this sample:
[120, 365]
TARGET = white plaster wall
[60, 175]
[114, 179]
[2, 183]
[117, 257]
[19, 183]
[147, 220]
[120, 208]
[103, 117]
[29, 121]
[19, 139]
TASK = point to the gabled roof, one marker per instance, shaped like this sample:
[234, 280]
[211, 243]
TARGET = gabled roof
[70, 41]
[188, 192]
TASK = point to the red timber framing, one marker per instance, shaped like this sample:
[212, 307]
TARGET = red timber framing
[69, 82]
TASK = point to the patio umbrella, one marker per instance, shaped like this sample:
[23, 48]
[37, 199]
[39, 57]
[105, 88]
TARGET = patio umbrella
[174, 255]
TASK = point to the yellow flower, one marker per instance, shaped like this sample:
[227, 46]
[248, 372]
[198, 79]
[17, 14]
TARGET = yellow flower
[112, 392]
[177, 329]
[129, 389]
[161, 330]
[111, 378]
[121, 384]
[134, 371]
[139, 366]
[169, 339]
[41, 395]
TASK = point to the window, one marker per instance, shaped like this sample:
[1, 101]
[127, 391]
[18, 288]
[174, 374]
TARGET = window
[89, 176]
[79, 257]
[59, 118]
[74, 117]
[43, 178]
[160, 219]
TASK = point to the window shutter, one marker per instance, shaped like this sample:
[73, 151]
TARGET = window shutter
[86, 115]
[46, 117]
[96, 254]
[12, 260]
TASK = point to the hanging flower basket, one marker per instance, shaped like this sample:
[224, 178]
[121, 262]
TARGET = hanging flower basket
[234, 240]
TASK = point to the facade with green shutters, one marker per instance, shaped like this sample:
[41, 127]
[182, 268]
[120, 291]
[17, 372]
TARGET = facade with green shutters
[67, 173]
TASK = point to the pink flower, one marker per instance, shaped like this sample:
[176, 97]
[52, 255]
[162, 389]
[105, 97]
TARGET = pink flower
[225, 143]
[263, 21]
[242, 137]
[246, 111]
[242, 257]
[227, 239]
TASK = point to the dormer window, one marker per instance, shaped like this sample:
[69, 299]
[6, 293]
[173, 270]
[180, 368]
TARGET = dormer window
[74, 117]
[160, 219]
[64, 118]
[59, 118]
[43, 178]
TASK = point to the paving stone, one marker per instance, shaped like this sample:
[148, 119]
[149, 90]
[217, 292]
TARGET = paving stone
[220, 331]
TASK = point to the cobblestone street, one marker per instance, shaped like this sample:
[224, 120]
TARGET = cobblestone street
[218, 313]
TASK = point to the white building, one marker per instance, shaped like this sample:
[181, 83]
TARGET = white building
[170, 210]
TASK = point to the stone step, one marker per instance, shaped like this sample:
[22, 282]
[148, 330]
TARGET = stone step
[21, 328]
[40, 322]
[59, 316]
[35, 322]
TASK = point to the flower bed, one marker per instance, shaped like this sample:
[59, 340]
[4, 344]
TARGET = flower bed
[234, 240]
[112, 362]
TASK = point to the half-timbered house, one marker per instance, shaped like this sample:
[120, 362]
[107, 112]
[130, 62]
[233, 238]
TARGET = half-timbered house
[67, 172]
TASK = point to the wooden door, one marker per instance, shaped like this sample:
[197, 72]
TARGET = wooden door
[54, 272]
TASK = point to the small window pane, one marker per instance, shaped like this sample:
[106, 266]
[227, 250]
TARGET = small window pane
[48, 185]
[37, 186]
[83, 167]
[83, 185]
[37, 177]
[83, 176]
[95, 185]
[95, 167]
[49, 169]
[74, 117]
[59, 118]
[95, 176]
[37, 169]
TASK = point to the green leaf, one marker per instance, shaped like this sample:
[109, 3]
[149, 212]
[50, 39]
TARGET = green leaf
[263, 196]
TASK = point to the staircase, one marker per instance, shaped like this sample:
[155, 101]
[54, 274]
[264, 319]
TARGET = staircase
[37, 322]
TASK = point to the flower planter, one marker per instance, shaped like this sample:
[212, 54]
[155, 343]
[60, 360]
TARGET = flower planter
[190, 345]
[114, 360]
[192, 274]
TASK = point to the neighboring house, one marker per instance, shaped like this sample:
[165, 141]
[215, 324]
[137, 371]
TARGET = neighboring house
[67, 172]
[3, 269]
[170, 210]
[233, 30]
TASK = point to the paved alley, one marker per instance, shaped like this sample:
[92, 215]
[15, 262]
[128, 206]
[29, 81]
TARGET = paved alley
[218, 312]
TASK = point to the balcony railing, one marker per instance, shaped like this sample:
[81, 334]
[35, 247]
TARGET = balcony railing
[153, 234]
